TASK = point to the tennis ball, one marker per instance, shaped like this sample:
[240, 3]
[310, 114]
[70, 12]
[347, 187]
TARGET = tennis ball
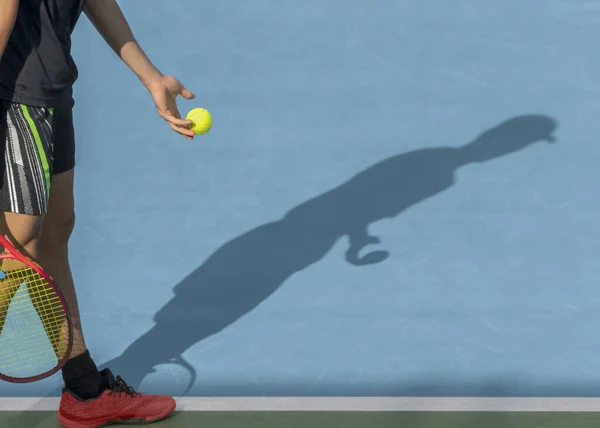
[201, 120]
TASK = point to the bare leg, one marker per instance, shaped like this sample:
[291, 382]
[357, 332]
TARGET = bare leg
[53, 254]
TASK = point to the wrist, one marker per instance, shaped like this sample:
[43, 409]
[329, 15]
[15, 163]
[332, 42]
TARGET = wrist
[151, 77]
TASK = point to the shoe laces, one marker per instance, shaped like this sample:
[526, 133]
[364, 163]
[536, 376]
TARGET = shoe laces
[121, 387]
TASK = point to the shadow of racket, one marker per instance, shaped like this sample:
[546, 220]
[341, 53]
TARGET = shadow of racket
[175, 377]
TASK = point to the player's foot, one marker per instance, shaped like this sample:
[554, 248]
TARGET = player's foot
[118, 404]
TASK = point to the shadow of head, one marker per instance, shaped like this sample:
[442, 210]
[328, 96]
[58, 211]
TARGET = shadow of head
[510, 136]
[387, 188]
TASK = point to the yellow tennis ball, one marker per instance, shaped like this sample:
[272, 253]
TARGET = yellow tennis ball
[201, 120]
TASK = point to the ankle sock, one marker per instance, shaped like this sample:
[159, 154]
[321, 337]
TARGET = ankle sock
[82, 378]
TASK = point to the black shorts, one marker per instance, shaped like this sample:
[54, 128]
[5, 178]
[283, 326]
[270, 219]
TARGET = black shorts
[39, 142]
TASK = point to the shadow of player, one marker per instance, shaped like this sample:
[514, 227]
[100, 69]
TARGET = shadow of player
[248, 269]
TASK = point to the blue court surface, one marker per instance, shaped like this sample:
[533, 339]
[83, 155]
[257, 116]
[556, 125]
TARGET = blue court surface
[397, 198]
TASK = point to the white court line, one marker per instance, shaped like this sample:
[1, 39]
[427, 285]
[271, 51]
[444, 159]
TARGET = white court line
[331, 404]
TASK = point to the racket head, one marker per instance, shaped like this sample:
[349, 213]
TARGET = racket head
[36, 334]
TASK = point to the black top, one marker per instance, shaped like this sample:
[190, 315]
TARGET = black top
[37, 68]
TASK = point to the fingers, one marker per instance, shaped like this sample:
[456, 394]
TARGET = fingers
[176, 120]
[184, 92]
[187, 94]
[179, 125]
[187, 133]
[182, 129]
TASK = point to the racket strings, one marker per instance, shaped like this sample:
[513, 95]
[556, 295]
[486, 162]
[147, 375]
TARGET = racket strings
[34, 324]
[47, 304]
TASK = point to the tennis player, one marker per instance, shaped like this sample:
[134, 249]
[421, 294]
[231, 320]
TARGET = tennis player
[37, 73]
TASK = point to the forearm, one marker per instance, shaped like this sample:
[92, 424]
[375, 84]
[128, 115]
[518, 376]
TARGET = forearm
[107, 17]
[8, 15]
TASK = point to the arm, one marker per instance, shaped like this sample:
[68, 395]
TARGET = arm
[107, 17]
[8, 16]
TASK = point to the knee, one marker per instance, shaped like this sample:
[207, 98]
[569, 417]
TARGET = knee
[27, 241]
[58, 230]
[22, 231]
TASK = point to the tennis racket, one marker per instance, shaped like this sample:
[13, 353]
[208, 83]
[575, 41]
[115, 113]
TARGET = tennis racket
[36, 335]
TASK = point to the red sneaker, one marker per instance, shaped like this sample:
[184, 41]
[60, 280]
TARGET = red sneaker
[118, 404]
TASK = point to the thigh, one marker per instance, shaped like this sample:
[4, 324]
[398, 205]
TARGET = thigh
[59, 220]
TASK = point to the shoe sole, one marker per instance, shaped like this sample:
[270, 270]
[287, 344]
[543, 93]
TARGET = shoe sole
[101, 423]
